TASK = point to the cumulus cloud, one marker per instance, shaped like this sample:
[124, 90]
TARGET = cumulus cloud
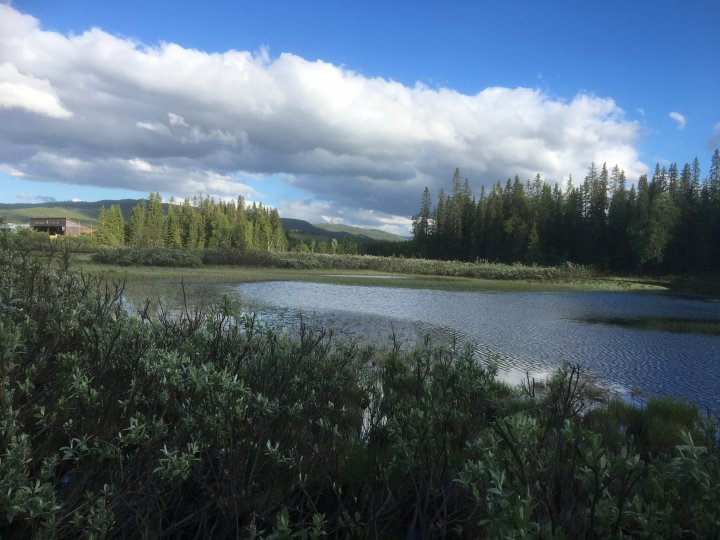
[679, 118]
[10, 171]
[110, 111]
[19, 91]
[323, 212]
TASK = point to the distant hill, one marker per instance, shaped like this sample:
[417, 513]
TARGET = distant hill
[302, 226]
[360, 232]
[299, 229]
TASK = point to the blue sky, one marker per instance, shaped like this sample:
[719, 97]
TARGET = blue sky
[338, 111]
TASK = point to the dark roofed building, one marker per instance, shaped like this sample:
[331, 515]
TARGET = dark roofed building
[61, 226]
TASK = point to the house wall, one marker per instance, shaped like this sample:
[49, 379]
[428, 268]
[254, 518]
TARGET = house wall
[62, 226]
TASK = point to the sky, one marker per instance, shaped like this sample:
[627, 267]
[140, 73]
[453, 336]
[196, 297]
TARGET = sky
[342, 112]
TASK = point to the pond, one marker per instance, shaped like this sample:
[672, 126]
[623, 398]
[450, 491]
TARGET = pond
[520, 331]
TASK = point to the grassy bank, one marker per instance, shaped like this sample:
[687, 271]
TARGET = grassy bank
[368, 271]
[207, 424]
[321, 261]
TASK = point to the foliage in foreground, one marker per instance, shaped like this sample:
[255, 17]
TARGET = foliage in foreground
[324, 261]
[207, 424]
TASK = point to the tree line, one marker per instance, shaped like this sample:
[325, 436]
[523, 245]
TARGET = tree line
[670, 222]
[200, 223]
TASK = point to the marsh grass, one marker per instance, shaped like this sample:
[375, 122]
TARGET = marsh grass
[319, 261]
[654, 427]
[663, 324]
[231, 274]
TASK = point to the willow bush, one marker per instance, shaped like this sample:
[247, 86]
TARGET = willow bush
[208, 424]
[145, 256]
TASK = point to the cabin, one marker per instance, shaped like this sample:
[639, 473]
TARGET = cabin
[61, 226]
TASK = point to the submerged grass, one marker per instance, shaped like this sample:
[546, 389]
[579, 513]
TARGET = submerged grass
[655, 426]
[663, 324]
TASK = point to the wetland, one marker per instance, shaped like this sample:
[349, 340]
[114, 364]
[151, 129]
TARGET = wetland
[640, 340]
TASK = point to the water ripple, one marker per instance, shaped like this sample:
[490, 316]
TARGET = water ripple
[520, 331]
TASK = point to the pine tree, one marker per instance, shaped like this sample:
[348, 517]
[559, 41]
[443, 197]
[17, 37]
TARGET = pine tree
[516, 225]
[154, 222]
[115, 226]
[714, 177]
[659, 229]
[454, 211]
[618, 220]
[673, 181]
[173, 236]
[533, 248]
[136, 225]
[241, 235]
[440, 225]
[658, 183]
[277, 233]
[196, 231]
[220, 229]
[421, 224]
[695, 177]
[186, 212]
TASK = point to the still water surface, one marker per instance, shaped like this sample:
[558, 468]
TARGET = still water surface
[520, 331]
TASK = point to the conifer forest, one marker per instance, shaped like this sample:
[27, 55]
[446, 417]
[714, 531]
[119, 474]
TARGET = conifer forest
[669, 222]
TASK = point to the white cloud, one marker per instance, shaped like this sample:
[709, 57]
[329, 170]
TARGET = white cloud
[176, 120]
[322, 212]
[10, 171]
[19, 91]
[153, 126]
[679, 118]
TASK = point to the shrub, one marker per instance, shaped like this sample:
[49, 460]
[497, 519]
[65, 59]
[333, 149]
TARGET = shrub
[209, 424]
[167, 257]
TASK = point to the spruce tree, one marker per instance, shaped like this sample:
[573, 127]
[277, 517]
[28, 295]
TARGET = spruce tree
[136, 225]
[421, 224]
[173, 236]
[154, 221]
